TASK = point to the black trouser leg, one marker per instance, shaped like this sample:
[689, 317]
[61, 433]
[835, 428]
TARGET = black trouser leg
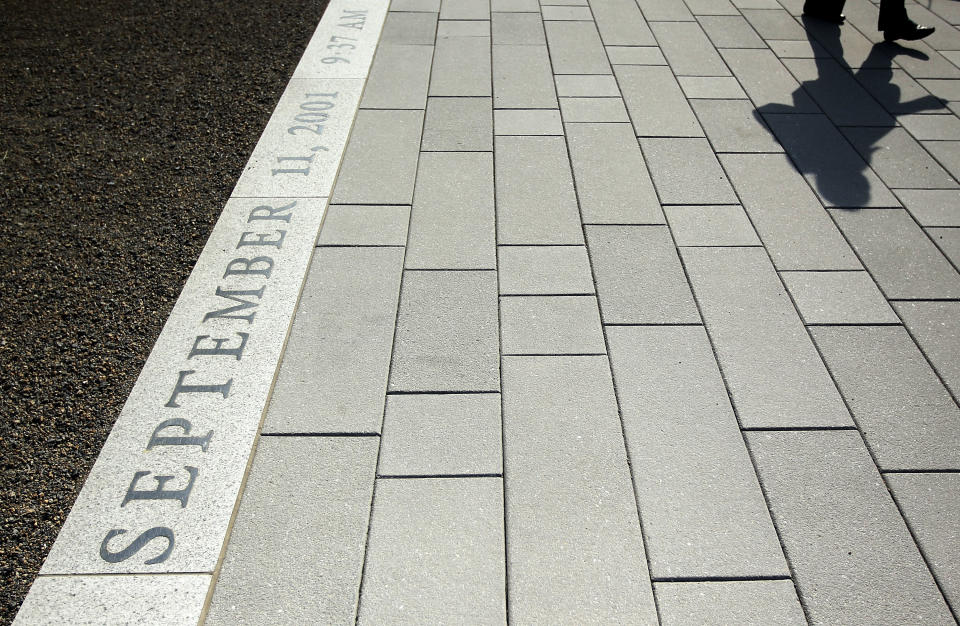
[823, 7]
[892, 14]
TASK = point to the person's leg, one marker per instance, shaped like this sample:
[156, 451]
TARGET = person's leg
[892, 14]
[830, 10]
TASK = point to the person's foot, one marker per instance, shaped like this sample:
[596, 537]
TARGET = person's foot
[909, 30]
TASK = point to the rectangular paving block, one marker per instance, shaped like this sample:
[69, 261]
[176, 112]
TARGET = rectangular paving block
[446, 336]
[907, 417]
[665, 11]
[550, 325]
[321, 487]
[838, 298]
[612, 180]
[688, 50]
[575, 550]
[947, 153]
[334, 371]
[463, 28]
[566, 13]
[409, 28]
[734, 126]
[380, 162]
[701, 87]
[931, 506]
[465, 10]
[855, 50]
[364, 225]
[853, 560]
[636, 55]
[744, 602]
[517, 29]
[899, 255]
[436, 553]
[936, 328]
[767, 81]
[419, 6]
[639, 276]
[527, 122]
[441, 434]
[948, 240]
[452, 223]
[808, 49]
[774, 24]
[458, 125]
[544, 270]
[730, 31]
[686, 171]
[587, 86]
[773, 371]
[929, 126]
[703, 511]
[621, 24]
[515, 6]
[898, 158]
[932, 207]
[656, 103]
[908, 97]
[931, 65]
[797, 232]
[398, 78]
[461, 67]
[594, 110]
[536, 203]
[711, 7]
[522, 78]
[575, 48]
[723, 225]
[833, 87]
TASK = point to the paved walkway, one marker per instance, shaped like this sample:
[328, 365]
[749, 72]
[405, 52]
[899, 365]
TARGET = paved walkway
[624, 312]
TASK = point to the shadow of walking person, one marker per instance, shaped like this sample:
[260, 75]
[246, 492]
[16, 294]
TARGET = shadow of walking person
[821, 144]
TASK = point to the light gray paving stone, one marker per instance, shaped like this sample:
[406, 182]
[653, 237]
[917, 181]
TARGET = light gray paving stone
[936, 328]
[115, 599]
[853, 559]
[899, 159]
[755, 4]
[946, 89]
[711, 226]
[575, 48]
[805, 49]
[686, 171]
[564, 3]
[381, 158]
[730, 31]
[688, 50]
[465, 10]
[775, 377]
[775, 24]
[932, 207]
[612, 181]
[544, 270]
[948, 240]
[838, 298]
[947, 153]
[550, 325]
[515, 6]
[594, 110]
[398, 78]
[639, 288]
[899, 93]
[353, 225]
[844, 101]
[656, 103]
[452, 224]
[461, 67]
[635, 55]
[527, 122]
[932, 65]
[436, 553]
[791, 222]
[931, 506]
[931, 126]
[621, 24]
[409, 28]
[342, 336]
[947, 10]
[522, 78]
[908, 419]
[746, 602]
[711, 87]
[458, 125]
[575, 552]
[899, 255]
[733, 126]
[587, 86]
[567, 13]
[418, 6]
[444, 434]
[446, 335]
[852, 46]
[838, 175]
[665, 11]
[703, 511]
[309, 572]
[767, 81]
[463, 28]
[535, 172]
[712, 7]
[522, 29]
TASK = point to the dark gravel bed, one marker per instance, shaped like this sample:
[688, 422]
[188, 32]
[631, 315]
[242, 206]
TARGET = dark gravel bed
[124, 126]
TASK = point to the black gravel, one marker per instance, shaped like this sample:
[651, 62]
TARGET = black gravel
[124, 126]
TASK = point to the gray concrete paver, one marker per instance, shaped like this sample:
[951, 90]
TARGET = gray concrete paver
[686, 171]
[544, 270]
[398, 78]
[458, 125]
[465, 10]
[948, 240]
[550, 325]
[936, 328]
[767, 81]
[702, 87]
[723, 225]
[687, 49]
[461, 67]
[575, 48]
[463, 28]
[522, 29]
[932, 207]
[594, 110]
[733, 126]
[899, 159]
[542, 122]
[409, 28]
[635, 55]
[746, 603]
[655, 101]
[364, 225]
[730, 31]
[621, 23]
[838, 298]
[522, 78]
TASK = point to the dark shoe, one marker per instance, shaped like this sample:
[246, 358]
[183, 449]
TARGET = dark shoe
[909, 30]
